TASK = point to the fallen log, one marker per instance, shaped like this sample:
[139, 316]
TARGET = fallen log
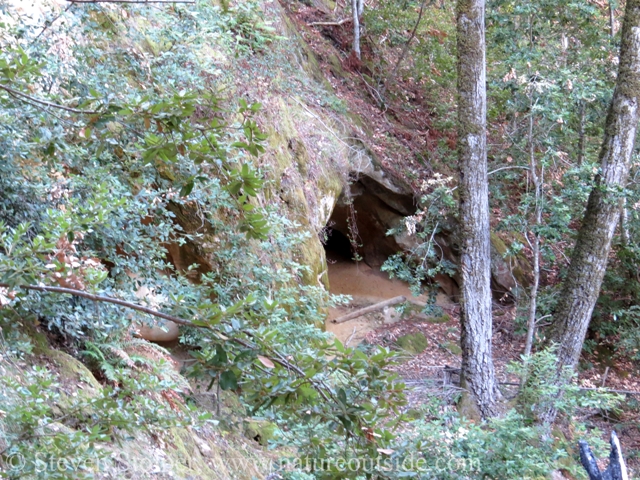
[371, 308]
[329, 24]
[617, 470]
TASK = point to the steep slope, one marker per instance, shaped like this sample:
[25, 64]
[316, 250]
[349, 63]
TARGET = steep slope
[69, 355]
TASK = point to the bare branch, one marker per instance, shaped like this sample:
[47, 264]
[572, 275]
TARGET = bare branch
[276, 357]
[101, 298]
[51, 22]
[617, 469]
[405, 49]
[510, 167]
[23, 96]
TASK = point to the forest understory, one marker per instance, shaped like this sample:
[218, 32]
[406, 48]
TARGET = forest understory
[192, 192]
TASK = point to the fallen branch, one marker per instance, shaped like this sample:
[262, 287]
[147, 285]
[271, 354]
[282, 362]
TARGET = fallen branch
[617, 470]
[372, 308]
[329, 24]
[509, 167]
[23, 96]
[456, 371]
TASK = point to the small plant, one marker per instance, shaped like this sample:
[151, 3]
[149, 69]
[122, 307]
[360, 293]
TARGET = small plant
[425, 261]
[541, 388]
[50, 434]
[253, 34]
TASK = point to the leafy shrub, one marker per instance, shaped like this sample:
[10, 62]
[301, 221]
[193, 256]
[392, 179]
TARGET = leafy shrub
[48, 433]
[437, 207]
[126, 150]
[245, 20]
[543, 387]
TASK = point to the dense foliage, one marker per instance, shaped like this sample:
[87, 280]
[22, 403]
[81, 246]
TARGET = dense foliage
[107, 141]
[123, 137]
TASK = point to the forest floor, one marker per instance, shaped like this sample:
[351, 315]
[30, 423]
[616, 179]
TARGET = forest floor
[402, 131]
[434, 372]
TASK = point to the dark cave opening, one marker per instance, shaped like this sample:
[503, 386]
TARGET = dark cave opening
[362, 216]
[374, 216]
[337, 246]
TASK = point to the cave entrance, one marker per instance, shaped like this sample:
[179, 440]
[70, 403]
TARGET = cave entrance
[363, 215]
[373, 204]
[370, 207]
[337, 246]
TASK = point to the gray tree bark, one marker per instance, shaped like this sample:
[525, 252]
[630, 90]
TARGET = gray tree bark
[537, 181]
[581, 133]
[589, 259]
[357, 9]
[478, 375]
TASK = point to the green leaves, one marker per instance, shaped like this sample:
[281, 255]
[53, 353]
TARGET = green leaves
[245, 179]
[228, 380]
[252, 34]
[171, 165]
[48, 423]
[15, 64]
[21, 259]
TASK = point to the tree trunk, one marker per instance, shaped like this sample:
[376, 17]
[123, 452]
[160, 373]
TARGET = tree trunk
[589, 259]
[581, 133]
[357, 7]
[624, 223]
[612, 24]
[478, 375]
[535, 245]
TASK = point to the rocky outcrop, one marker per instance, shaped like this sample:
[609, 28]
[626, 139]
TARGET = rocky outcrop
[373, 204]
[507, 270]
[165, 332]
[325, 178]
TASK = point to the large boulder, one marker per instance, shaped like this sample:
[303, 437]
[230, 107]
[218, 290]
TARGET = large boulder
[167, 332]
[508, 271]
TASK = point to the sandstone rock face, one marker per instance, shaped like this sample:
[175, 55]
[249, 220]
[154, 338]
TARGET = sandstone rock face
[392, 191]
[167, 332]
[375, 203]
[507, 271]
[324, 177]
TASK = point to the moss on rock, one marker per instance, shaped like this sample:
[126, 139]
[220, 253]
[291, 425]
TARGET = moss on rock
[72, 369]
[259, 430]
[452, 347]
[507, 269]
[414, 343]
[444, 318]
